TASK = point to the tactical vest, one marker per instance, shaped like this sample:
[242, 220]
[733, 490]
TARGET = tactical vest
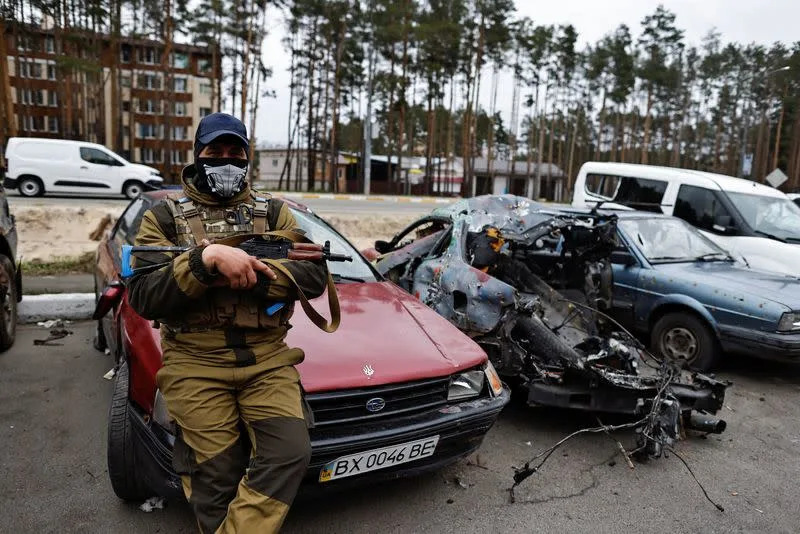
[224, 307]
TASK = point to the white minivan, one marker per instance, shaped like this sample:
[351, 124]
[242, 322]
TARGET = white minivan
[37, 166]
[754, 222]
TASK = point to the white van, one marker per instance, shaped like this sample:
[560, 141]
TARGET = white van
[754, 222]
[38, 166]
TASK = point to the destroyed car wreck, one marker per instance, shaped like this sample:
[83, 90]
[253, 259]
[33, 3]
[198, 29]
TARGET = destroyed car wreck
[531, 285]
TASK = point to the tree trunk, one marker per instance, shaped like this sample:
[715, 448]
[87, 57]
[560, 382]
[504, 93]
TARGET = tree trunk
[647, 124]
[247, 52]
[10, 120]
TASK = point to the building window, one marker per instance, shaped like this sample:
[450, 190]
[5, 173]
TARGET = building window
[52, 124]
[51, 71]
[27, 42]
[125, 80]
[147, 131]
[31, 97]
[178, 157]
[205, 88]
[50, 44]
[180, 109]
[148, 81]
[126, 105]
[204, 65]
[149, 106]
[179, 133]
[148, 55]
[52, 98]
[274, 162]
[33, 124]
[205, 111]
[150, 155]
[30, 69]
[125, 53]
[180, 84]
[180, 60]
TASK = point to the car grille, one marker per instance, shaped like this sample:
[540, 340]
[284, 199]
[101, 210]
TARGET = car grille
[341, 407]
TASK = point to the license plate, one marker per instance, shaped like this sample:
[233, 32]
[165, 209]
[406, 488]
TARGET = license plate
[363, 462]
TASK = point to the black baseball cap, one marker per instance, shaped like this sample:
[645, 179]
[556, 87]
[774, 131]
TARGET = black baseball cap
[216, 125]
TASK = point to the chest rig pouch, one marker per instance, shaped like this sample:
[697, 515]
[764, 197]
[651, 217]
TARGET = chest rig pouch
[222, 306]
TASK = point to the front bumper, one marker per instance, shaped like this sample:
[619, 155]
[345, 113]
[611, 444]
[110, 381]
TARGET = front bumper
[10, 183]
[766, 345]
[154, 185]
[461, 428]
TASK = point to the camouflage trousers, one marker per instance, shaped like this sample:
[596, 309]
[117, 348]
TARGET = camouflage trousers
[232, 489]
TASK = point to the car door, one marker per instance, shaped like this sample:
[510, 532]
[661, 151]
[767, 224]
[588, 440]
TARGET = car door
[99, 172]
[109, 261]
[627, 272]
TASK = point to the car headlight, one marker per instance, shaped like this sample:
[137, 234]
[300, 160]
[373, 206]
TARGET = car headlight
[155, 173]
[790, 321]
[465, 385]
[495, 384]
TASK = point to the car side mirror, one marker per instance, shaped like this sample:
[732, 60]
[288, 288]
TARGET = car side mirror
[622, 257]
[110, 297]
[382, 246]
[723, 223]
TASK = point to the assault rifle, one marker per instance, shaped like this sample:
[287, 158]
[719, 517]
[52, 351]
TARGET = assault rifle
[257, 247]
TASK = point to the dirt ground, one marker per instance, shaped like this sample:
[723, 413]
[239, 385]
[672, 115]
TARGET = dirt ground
[50, 233]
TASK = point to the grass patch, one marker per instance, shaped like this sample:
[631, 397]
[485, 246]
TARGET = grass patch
[80, 265]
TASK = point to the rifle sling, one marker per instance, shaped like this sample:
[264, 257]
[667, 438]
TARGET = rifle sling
[296, 237]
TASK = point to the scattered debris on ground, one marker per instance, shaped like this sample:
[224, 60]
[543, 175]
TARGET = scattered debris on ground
[153, 503]
[55, 334]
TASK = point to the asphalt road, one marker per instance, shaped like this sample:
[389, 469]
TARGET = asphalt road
[54, 403]
[324, 206]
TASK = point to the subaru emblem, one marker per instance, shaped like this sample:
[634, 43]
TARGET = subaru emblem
[375, 405]
[368, 370]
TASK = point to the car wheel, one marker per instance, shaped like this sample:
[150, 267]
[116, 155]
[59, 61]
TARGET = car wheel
[132, 189]
[30, 186]
[121, 460]
[8, 304]
[685, 339]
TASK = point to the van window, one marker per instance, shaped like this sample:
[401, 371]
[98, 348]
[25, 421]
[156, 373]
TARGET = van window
[638, 193]
[602, 185]
[93, 155]
[701, 208]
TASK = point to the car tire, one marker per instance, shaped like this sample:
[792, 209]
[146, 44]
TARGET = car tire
[132, 189]
[685, 338]
[8, 304]
[121, 454]
[30, 186]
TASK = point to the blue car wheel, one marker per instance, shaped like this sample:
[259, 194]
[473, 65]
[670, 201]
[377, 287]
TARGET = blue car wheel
[685, 339]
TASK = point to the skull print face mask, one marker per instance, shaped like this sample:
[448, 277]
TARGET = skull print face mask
[224, 177]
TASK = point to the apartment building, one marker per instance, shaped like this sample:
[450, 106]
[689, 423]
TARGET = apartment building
[158, 104]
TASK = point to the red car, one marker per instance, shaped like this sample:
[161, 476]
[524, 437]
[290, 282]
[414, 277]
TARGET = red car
[396, 391]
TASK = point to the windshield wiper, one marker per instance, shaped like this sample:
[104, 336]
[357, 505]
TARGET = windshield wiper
[771, 236]
[339, 277]
[714, 256]
[669, 258]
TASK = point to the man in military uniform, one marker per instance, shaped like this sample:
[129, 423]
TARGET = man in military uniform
[226, 365]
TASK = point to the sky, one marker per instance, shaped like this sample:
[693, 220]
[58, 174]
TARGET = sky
[744, 21]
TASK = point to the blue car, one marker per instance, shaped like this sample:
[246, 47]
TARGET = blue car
[694, 301]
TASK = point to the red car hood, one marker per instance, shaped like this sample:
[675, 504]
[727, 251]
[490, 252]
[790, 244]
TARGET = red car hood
[383, 327]
[384, 331]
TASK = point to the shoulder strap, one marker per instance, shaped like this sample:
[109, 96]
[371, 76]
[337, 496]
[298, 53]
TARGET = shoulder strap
[192, 216]
[260, 207]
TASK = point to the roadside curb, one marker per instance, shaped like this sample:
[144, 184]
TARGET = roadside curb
[367, 198]
[72, 306]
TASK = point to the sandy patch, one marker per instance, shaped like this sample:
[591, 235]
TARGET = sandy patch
[55, 233]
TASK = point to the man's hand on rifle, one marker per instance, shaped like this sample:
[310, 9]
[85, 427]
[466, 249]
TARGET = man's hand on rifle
[236, 266]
